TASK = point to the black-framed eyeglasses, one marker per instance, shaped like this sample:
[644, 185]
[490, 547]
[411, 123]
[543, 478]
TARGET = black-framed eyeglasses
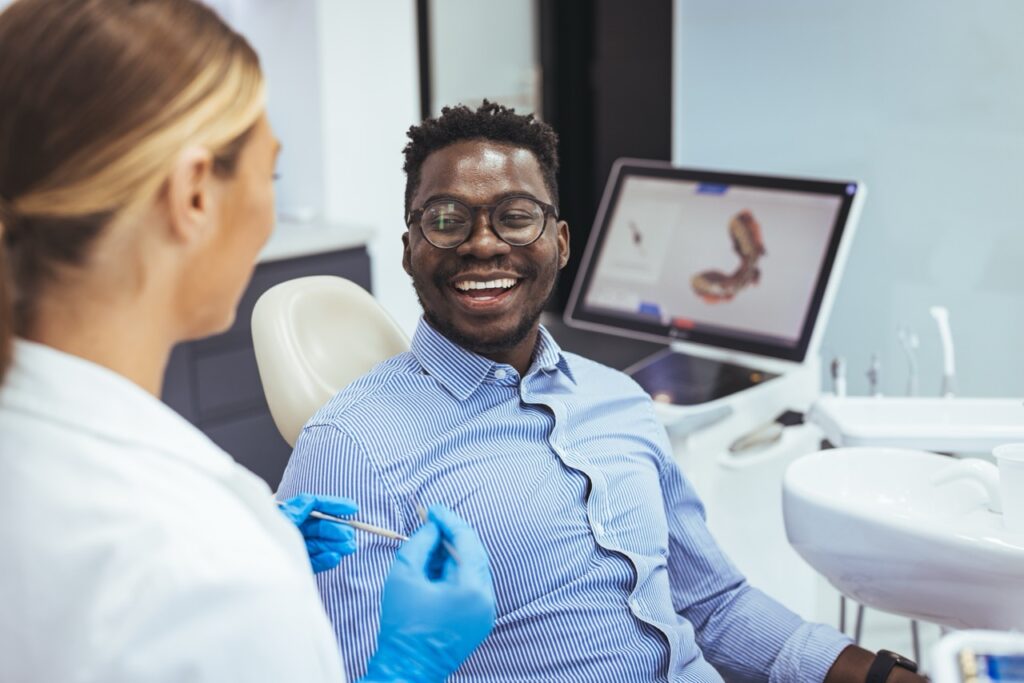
[518, 220]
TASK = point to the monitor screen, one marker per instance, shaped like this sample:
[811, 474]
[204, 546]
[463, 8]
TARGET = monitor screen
[731, 260]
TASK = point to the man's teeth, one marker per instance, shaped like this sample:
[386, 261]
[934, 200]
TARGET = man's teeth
[504, 283]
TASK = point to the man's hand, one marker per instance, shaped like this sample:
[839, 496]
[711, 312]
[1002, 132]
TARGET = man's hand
[852, 664]
[326, 542]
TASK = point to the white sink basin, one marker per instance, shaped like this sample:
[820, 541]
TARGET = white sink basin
[877, 526]
[952, 425]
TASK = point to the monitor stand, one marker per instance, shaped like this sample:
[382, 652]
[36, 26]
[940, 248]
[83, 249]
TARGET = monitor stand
[687, 380]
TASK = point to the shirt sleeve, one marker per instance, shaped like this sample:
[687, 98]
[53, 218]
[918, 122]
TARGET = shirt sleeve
[328, 461]
[743, 633]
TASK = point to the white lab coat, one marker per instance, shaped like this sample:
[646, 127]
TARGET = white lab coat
[133, 549]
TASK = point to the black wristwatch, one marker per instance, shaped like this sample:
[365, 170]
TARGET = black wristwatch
[885, 662]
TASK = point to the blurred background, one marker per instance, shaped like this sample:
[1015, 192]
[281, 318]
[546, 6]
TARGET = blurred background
[923, 100]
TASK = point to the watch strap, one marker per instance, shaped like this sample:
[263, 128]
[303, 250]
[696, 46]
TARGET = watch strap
[885, 661]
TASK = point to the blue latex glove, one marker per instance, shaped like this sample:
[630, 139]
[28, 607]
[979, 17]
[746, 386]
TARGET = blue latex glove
[434, 612]
[326, 542]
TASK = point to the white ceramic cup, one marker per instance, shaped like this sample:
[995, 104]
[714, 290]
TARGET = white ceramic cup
[1010, 459]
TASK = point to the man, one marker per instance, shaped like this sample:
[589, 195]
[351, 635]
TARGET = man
[603, 564]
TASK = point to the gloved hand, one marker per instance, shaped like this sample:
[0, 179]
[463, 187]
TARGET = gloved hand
[326, 542]
[434, 612]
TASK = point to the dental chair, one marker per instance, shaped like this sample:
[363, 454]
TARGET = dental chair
[312, 337]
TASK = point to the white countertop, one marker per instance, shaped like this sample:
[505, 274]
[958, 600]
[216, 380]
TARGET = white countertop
[291, 240]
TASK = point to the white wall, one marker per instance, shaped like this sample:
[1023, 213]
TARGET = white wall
[485, 48]
[283, 33]
[369, 82]
[923, 100]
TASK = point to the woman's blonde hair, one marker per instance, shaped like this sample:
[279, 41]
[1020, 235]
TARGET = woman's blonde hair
[97, 98]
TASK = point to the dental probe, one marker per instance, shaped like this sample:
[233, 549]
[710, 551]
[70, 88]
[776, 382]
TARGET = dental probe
[422, 512]
[362, 526]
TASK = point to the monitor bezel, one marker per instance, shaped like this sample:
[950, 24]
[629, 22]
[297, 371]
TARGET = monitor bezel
[824, 288]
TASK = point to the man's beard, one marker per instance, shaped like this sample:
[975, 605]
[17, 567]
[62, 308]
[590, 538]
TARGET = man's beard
[482, 347]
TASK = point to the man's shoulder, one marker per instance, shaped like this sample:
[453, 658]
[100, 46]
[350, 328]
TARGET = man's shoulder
[389, 385]
[589, 374]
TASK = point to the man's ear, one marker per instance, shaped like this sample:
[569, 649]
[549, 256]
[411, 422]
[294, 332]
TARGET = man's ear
[189, 197]
[406, 253]
[563, 244]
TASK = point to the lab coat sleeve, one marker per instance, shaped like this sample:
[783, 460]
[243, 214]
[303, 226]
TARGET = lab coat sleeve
[328, 461]
[743, 633]
[216, 630]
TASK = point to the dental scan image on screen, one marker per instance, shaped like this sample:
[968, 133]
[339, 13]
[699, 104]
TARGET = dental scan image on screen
[736, 260]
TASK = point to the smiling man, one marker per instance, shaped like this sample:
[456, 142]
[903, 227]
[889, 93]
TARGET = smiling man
[479, 249]
[603, 565]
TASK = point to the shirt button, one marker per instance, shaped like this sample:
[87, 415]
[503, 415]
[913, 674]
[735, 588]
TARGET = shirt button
[634, 604]
[499, 374]
[599, 528]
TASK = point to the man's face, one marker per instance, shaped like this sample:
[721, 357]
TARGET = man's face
[497, 322]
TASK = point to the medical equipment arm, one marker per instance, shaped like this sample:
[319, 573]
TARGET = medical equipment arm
[326, 542]
[434, 611]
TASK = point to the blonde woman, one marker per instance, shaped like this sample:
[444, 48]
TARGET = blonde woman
[136, 168]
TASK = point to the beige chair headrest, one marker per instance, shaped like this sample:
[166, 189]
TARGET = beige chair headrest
[313, 336]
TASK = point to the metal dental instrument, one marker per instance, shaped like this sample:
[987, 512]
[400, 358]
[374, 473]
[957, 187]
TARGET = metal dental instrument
[362, 526]
[873, 371]
[941, 315]
[422, 512]
[910, 344]
[838, 370]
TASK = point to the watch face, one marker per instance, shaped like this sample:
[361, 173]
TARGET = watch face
[908, 664]
[900, 661]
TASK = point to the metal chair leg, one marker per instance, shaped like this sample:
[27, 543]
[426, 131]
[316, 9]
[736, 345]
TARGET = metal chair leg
[842, 613]
[916, 639]
[859, 625]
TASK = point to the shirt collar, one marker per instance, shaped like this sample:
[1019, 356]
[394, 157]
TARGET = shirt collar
[462, 372]
[548, 355]
[64, 388]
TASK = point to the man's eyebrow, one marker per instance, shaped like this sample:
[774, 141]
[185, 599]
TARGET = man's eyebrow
[499, 198]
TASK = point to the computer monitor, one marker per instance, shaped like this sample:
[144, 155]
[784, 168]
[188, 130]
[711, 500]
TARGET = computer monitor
[733, 261]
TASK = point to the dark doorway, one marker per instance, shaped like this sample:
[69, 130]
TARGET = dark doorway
[607, 90]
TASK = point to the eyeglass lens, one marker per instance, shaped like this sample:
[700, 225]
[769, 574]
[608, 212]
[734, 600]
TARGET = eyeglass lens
[516, 220]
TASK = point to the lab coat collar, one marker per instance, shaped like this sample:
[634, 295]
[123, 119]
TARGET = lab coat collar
[462, 372]
[63, 388]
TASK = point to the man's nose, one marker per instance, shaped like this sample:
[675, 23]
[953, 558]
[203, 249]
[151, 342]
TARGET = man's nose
[483, 243]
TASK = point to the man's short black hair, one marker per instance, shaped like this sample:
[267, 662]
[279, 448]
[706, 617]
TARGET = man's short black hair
[491, 121]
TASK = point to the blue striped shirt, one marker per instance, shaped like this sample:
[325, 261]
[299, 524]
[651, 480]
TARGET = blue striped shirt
[603, 565]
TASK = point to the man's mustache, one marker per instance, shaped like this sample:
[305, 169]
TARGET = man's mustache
[470, 265]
